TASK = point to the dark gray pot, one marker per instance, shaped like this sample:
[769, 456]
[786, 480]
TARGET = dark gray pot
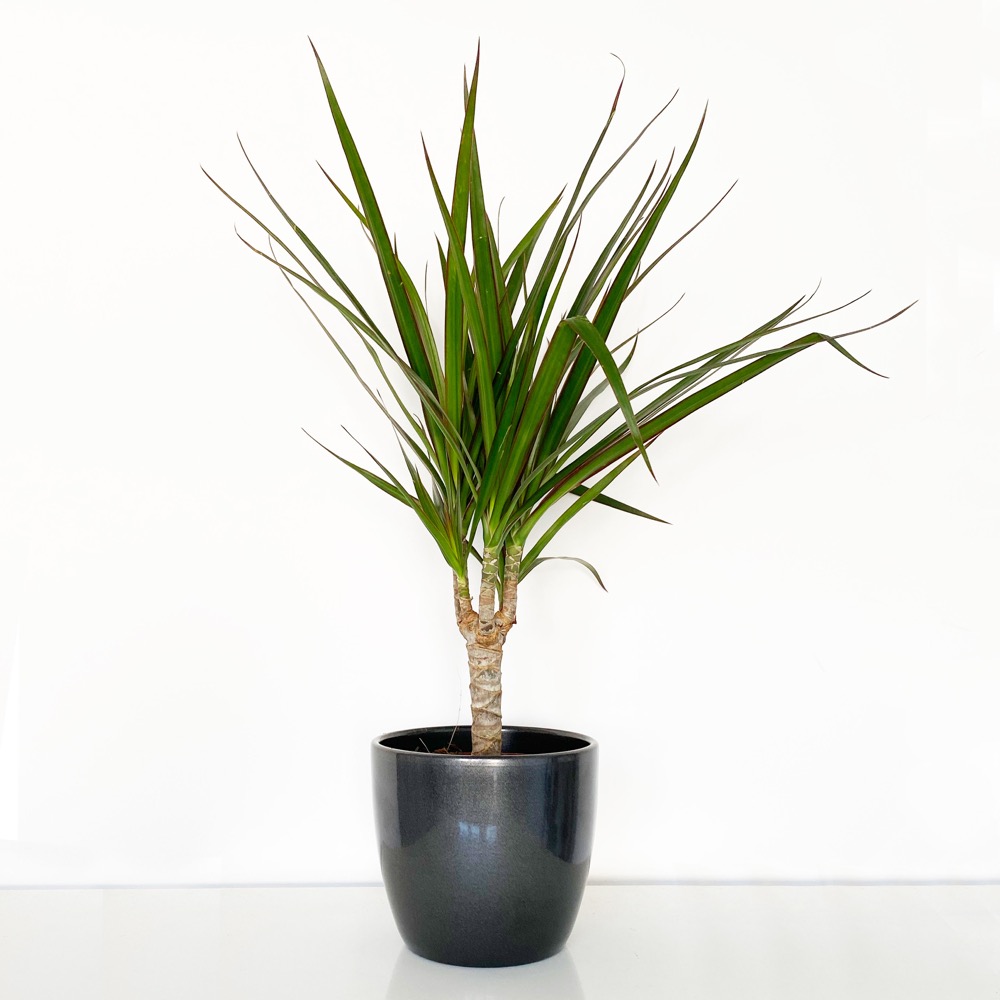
[485, 858]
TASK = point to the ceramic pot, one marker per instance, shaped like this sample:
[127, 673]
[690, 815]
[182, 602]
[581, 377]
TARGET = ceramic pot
[484, 859]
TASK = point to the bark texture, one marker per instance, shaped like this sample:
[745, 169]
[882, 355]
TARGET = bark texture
[485, 632]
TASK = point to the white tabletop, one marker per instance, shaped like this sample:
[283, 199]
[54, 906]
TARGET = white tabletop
[630, 942]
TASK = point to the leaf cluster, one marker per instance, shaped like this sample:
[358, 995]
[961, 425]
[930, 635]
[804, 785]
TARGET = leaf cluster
[523, 417]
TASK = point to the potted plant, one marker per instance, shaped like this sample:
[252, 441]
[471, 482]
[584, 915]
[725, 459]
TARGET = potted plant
[512, 416]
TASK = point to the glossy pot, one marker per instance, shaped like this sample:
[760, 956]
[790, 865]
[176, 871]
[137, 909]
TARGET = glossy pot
[485, 859]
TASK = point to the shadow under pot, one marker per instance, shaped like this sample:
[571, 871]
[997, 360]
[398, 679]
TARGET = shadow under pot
[485, 859]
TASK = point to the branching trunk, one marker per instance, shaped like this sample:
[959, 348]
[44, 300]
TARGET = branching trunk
[484, 633]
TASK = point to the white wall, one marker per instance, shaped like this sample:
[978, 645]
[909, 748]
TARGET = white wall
[204, 620]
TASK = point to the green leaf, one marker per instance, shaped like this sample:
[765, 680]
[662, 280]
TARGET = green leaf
[522, 252]
[582, 562]
[611, 303]
[515, 452]
[614, 248]
[586, 496]
[473, 312]
[489, 277]
[455, 334]
[604, 500]
[393, 487]
[346, 199]
[421, 504]
[680, 239]
[591, 336]
[388, 260]
[599, 458]
[416, 449]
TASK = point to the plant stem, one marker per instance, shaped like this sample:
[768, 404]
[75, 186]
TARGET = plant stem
[511, 568]
[463, 602]
[484, 633]
[485, 654]
[488, 590]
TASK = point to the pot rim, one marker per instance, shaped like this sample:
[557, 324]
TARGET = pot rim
[590, 744]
